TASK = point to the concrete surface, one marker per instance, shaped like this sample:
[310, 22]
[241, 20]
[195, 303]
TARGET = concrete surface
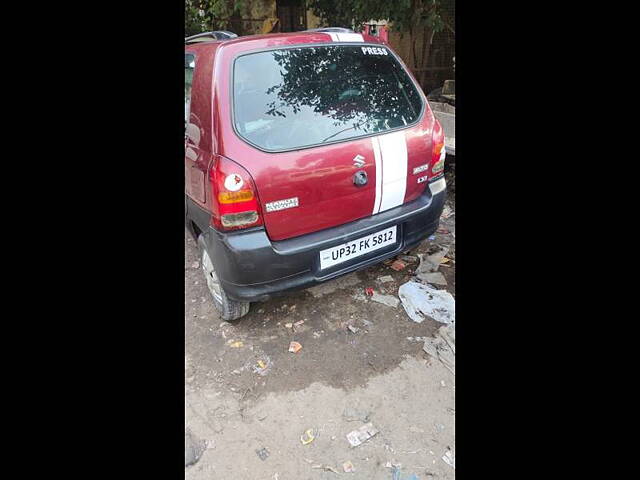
[237, 407]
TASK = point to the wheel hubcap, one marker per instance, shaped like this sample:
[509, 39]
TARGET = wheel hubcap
[212, 279]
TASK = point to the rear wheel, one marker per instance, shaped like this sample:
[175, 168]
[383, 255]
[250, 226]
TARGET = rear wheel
[229, 309]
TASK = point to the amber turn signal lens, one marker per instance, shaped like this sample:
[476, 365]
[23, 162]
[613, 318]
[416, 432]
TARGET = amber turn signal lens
[437, 149]
[235, 197]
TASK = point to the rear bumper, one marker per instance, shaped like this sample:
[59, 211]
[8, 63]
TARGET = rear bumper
[253, 268]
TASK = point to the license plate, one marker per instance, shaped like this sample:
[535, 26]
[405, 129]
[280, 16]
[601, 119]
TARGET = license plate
[356, 248]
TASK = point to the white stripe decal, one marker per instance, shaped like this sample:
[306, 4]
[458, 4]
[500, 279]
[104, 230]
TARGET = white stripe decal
[350, 37]
[345, 37]
[378, 164]
[393, 147]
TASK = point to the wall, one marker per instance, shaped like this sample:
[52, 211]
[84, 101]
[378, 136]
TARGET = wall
[440, 64]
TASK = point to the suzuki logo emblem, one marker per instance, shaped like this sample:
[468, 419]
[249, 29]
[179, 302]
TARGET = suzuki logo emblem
[358, 161]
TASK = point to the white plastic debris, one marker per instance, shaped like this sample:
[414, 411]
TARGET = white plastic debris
[348, 467]
[443, 347]
[447, 212]
[362, 434]
[435, 278]
[431, 263]
[421, 301]
[449, 458]
[387, 300]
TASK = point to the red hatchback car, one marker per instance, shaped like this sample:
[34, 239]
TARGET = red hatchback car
[308, 155]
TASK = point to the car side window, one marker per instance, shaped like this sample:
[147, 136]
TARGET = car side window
[189, 65]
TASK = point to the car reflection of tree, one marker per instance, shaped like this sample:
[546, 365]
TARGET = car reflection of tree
[337, 82]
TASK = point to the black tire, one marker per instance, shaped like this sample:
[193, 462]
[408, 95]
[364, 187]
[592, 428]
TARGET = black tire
[229, 309]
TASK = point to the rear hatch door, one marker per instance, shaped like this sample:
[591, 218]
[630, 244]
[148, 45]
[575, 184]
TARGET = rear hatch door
[330, 134]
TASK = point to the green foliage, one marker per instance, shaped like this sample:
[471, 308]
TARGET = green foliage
[207, 15]
[418, 18]
[405, 14]
[334, 13]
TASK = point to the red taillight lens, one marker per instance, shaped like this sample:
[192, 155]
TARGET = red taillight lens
[234, 197]
[438, 153]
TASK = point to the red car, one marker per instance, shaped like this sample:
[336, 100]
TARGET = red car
[308, 155]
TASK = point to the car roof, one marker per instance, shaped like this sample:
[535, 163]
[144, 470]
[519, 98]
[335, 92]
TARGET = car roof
[283, 39]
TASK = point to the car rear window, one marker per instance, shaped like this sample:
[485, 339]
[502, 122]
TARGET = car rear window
[299, 97]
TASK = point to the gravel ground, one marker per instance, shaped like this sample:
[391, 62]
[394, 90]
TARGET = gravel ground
[244, 391]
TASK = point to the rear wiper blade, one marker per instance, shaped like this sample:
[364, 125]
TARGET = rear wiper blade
[342, 131]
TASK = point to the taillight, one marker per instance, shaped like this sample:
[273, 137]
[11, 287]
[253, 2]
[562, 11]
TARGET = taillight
[234, 196]
[438, 153]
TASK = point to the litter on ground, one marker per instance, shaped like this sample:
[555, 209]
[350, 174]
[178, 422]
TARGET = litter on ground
[398, 265]
[307, 437]
[385, 279]
[326, 468]
[447, 212]
[294, 347]
[435, 278]
[449, 458]
[422, 301]
[348, 467]
[262, 367]
[388, 300]
[443, 347]
[362, 434]
[397, 475]
[263, 453]
[430, 263]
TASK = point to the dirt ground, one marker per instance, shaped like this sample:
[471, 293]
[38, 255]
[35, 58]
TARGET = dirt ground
[244, 391]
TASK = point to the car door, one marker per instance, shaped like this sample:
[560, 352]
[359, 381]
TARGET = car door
[194, 176]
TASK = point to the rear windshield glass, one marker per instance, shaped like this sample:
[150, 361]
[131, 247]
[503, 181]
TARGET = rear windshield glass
[294, 98]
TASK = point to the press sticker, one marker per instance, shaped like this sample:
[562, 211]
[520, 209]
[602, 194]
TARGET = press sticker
[374, 51]
[233, 182]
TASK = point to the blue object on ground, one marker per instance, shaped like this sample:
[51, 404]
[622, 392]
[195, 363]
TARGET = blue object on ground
[398, 476]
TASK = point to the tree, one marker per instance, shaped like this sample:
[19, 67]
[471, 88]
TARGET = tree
[414, 17]
[206, 15]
